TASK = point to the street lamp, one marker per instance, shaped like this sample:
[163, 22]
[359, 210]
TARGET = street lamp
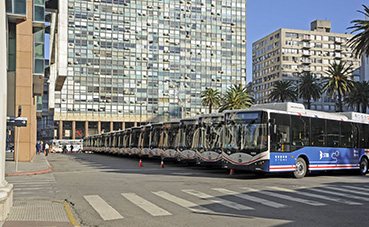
[140, 102]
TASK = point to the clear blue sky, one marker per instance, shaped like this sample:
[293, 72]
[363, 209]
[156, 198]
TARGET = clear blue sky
[267, 16]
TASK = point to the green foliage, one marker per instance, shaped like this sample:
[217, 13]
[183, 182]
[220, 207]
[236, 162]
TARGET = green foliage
[283, 91]
[360, 41]
[339, 82]
[359, 96]
[210, 97]
[236, 97]
[309, 88]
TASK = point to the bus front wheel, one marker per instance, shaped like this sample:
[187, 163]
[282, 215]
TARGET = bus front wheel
[363, 166]
[301, 168]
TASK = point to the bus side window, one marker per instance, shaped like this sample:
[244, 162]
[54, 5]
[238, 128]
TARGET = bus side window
[300, 132]
[363, 136]
[347, 133]
[280, 141]
[318, 133]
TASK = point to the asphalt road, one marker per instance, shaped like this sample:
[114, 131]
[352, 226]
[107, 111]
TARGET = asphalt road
[106, 190]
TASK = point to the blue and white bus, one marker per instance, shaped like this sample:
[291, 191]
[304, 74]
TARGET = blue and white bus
[285, 137]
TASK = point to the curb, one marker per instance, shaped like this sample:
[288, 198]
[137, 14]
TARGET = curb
[31, 173]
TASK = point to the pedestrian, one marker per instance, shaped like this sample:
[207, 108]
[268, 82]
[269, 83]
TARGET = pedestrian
[38, 148]
[71, 148]
[65, 148]
[46, 149]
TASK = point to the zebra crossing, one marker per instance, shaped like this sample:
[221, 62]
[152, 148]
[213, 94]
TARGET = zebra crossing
[33, 187]
[248, 199]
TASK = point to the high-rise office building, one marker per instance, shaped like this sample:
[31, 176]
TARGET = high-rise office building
[287, 53]
[131, 61]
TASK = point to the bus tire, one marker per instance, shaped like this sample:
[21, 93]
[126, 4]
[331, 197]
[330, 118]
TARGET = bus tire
[301, 168]
[363, 166]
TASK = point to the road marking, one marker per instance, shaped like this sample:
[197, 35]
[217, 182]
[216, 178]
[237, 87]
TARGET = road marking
[339, 194]
[251, 198]
[30, 189]
[338, 200]
[145, 205]
[286, 197]
[105, 211]
[356, 188]
[181, 202]
[345, 190]
[217, 200]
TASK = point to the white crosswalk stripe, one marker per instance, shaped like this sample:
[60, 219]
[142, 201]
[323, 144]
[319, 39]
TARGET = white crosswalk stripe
[34, 186]
[182, 202]
[250, 198]
[149, 207]
[339, 194]
[105, 211]
[345, 190]
[356, 188]
[286, 197]
[213, 199]
[339, 200]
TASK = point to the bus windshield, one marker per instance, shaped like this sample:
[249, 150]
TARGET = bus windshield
[171, 136]
[155, 136]
[146, 137]
[246, 132]
[188, 132]
[210, 137]
[135, 137]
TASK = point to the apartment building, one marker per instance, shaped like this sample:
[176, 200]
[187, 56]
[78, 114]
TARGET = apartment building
[127, 61]
[287, 53]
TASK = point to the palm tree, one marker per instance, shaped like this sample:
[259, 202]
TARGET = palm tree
[360, 41]
[236, 97]
[282, 91]
[210, 97]
[359, 96]
[338, 82]
[309, 88]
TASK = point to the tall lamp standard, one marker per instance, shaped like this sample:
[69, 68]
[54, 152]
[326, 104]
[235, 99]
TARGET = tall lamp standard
[177, 90]
[140, 102]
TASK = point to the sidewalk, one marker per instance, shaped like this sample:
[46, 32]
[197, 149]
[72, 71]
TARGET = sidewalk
[34, 212]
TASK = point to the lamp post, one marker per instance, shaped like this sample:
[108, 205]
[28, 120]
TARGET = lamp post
[140, 102]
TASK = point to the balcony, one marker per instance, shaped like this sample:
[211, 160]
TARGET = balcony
[16, 10]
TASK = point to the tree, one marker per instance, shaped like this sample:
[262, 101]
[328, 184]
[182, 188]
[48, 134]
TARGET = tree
[360, 41]
[210, 97]
[359, 96]
[338, 83]
[309, 88]
[282, 91]
[236, 97]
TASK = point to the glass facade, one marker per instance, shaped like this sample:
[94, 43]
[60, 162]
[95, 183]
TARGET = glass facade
[18, 7]
[151, 59]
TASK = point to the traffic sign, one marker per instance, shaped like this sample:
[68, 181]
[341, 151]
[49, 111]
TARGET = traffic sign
[16, 121]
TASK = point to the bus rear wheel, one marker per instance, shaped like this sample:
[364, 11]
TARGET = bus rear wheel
[301, 168]
[363, 166]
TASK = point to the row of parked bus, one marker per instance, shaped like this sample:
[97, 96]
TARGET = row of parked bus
[279, 137]
[191, 140]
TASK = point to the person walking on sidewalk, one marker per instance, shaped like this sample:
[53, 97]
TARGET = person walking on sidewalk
[38, 148]
[71, 148]
[46, 149]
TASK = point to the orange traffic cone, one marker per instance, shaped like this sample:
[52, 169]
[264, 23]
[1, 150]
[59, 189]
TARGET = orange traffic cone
[140, 164]
[231, 172]
[162, 164]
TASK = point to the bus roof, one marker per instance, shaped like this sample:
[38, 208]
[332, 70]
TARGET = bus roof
[300, 109]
